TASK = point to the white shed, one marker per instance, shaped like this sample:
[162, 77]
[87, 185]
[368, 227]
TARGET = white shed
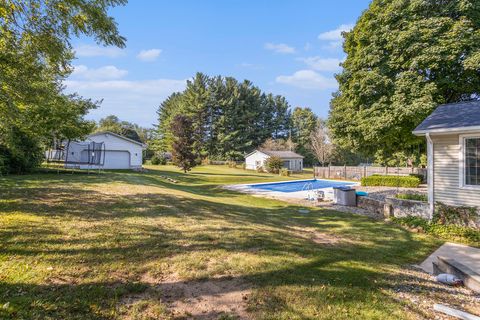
[116, 152]
[257, 159]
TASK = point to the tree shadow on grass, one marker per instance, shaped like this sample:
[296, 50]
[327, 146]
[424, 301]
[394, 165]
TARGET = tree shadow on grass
[88, 233]
[342, 288]
[99, 230]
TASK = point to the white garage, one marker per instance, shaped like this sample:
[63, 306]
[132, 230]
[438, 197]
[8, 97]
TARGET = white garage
[117, 159]
[104, 150]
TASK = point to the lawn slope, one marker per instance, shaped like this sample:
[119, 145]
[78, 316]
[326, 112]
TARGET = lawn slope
[100, 246]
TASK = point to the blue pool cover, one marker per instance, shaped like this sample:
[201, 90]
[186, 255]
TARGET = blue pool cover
[293, 186]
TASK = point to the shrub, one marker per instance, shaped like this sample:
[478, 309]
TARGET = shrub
[412, 196]
[284, 172]
[445, 232]
[391, 181]
[158, 160]
[419, 176]
[231, 164]
[452, 215]
[260, 170]
[19, 152]
[274, 164]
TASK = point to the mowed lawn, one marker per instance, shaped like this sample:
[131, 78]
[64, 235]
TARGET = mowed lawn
[100, 246]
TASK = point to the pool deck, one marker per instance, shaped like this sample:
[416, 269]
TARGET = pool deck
[296, 195]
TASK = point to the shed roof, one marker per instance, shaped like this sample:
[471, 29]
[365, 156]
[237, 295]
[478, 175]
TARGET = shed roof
[118, 136]
[452, 117]
[280, 154]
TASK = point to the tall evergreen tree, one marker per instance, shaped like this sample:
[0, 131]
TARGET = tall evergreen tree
[304, 122]
[229, 118]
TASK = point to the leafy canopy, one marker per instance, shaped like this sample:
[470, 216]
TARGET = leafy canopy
[183, 143]
[35, 56]
[404, 57]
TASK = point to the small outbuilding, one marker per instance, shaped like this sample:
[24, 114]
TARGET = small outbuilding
[453, 150]
[103, 150]
[257, 159]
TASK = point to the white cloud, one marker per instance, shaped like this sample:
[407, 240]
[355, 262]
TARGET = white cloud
[149, 55]
[335, 35]
[308, 79]
[333, 45]
[102, 73]
[97, 51]
[135, 101]
[322, 64]
[279, 48]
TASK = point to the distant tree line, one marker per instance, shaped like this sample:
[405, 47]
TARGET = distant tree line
[127, 129]
[229, 118]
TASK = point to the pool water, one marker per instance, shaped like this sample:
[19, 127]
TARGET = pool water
[294, 186]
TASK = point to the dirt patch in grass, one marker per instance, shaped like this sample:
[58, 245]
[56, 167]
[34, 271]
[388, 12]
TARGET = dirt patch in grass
[419, 291]
[318, 237]
[217, 298]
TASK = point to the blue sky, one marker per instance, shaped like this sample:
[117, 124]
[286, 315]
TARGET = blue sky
[285, 47]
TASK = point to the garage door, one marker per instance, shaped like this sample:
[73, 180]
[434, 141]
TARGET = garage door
[117, 160]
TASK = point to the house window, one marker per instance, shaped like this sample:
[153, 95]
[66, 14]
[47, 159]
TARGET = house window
[472, 161]
[286, 164]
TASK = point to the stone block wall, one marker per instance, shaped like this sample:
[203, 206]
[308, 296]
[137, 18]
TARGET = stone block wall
[408, 208]
[393, 207]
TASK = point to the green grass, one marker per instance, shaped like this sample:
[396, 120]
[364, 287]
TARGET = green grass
[448, 232]
[79, 246]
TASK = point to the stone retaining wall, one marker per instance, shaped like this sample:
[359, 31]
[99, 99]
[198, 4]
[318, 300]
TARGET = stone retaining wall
[393, 207]
[371, 205]
[400, 208]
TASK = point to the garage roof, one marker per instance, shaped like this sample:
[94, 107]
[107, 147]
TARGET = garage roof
[118, 136]
[452, 117]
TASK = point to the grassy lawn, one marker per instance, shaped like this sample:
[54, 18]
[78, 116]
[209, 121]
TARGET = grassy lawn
[102, 246]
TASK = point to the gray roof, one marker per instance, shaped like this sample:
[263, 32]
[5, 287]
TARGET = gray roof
[452, 117]
[281, 154]
[118, 136]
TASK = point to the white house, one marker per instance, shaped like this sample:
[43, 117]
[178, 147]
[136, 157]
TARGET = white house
[106, 150]
[453, 149]
[291, 160]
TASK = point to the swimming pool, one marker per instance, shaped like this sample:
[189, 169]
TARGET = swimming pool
[295, 186]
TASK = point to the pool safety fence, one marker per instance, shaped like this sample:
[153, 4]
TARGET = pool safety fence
[358, 172]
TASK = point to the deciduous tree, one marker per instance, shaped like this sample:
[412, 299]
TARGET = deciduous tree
[35, 56]
[403, 59]
[183, 154]
[320, 143]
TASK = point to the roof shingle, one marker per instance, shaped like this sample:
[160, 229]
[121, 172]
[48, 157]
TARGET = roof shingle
[452, 116]
[281, 154]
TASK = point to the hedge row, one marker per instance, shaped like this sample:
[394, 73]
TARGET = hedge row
[391, 181]
[456, 233]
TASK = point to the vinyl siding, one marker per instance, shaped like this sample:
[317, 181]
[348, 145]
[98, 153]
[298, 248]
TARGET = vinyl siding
[446, 150]
[251, 160]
